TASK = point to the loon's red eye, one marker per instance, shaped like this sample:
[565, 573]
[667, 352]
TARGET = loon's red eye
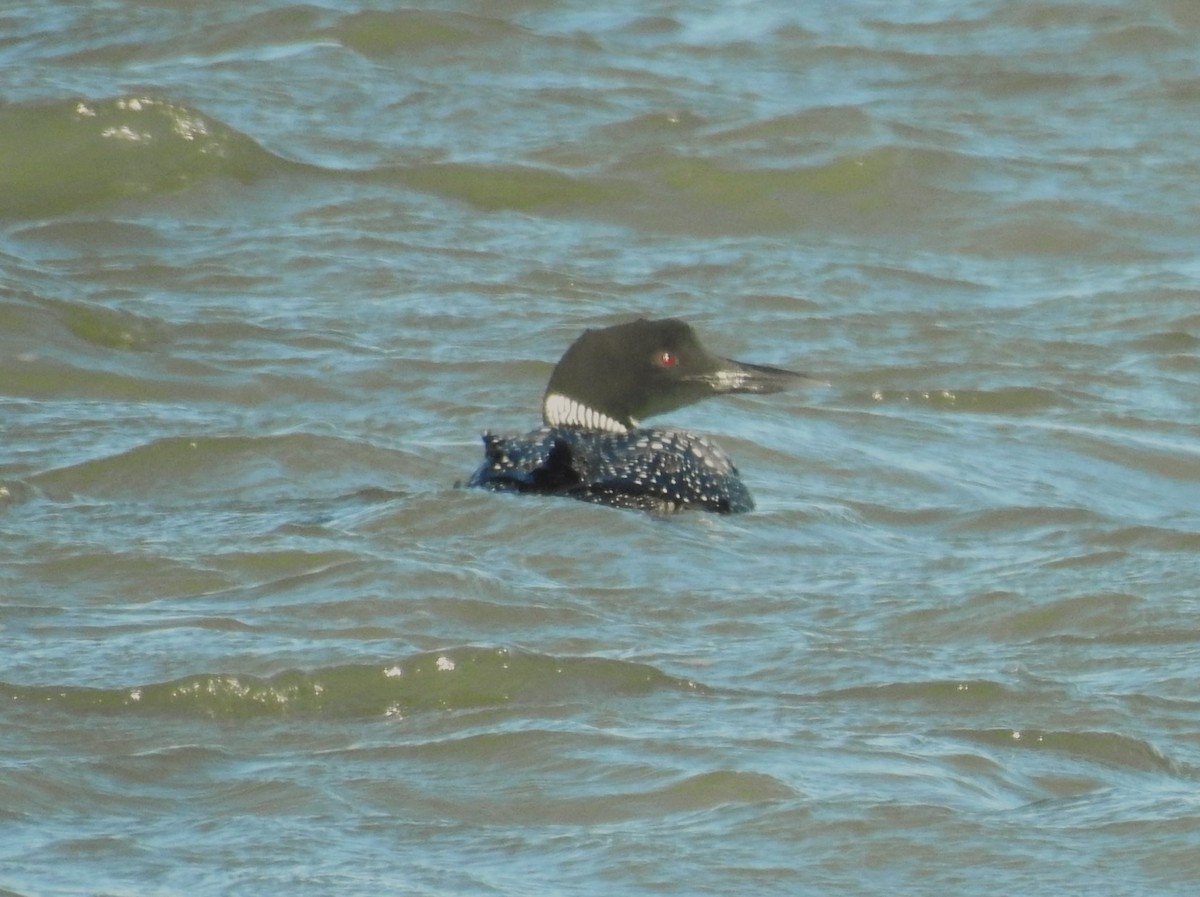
[667, 359]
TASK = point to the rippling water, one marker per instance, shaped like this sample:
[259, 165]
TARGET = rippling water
[267, 270]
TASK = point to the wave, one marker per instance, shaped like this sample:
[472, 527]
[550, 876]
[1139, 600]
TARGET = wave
[1007, 400]
[80, 153]
[977, 692]
[187, 466]
[1106, 748]
[684, 192]
[455, 679]
[377, 33]
[71, 154]
[506, 187]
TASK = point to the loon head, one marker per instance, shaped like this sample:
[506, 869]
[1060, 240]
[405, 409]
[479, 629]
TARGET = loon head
[612, 378]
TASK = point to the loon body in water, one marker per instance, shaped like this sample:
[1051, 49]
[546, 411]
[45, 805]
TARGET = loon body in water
[592, 446]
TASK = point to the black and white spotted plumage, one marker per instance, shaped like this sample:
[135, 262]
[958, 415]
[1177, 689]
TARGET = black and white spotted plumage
[657, 470]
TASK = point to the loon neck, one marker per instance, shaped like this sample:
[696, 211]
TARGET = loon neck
[560, 411]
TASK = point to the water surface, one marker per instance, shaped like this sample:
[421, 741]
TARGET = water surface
[268, 269]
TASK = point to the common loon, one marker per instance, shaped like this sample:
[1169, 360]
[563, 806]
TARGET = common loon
[592, 446]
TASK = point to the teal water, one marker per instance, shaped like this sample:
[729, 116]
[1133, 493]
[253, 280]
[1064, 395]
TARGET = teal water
[268, 269]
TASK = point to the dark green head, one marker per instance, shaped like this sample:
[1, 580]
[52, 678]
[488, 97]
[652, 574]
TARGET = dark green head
[611, 379]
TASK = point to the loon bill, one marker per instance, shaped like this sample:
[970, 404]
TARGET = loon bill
[592, 446]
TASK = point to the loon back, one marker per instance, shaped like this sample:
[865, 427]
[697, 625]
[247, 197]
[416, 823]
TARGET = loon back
[645, 469]
[591, 446]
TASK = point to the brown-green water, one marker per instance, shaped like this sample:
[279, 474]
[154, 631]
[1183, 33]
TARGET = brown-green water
[268, 269]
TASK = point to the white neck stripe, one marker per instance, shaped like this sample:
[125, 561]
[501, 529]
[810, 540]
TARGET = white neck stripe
[559, 411]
